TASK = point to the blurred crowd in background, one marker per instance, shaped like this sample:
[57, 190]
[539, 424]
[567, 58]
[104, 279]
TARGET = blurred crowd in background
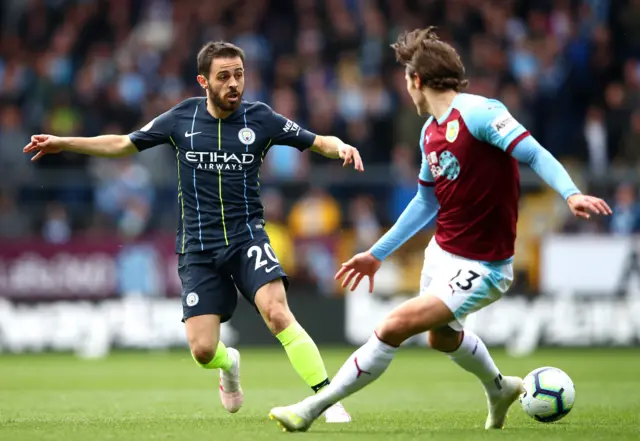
[569, 70]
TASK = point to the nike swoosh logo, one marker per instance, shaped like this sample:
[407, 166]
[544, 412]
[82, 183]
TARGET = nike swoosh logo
[189, 135]
[268, 270]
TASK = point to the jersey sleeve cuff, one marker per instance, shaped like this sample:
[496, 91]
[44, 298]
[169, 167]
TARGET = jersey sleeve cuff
[572, 192]
[308, 139]
[134, 141]
[377, 253]
[425, 183]
[516, 140]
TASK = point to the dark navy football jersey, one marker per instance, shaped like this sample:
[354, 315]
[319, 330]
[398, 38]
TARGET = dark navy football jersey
[219, 164]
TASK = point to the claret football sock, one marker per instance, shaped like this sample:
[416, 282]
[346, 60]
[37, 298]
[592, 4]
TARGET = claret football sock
[304, 356]
[473, 356]
[221, 360]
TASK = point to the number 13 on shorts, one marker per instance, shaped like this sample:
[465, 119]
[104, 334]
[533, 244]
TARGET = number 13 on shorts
[467, 279]
[465, 286]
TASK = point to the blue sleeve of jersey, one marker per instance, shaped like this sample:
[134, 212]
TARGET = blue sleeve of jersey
[545, 165]
[287, 132]
[156, 132]
[419, 213]
[493, 124]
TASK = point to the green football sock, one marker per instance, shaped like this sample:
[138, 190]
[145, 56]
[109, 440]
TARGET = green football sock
[220, 361]
[304, 356]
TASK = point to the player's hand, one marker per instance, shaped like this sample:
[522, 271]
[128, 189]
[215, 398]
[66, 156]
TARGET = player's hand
[350, 155]
[583, 205]
[360, 265]
[43, 145]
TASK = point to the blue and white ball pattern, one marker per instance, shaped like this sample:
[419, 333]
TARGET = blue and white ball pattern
[549, 394]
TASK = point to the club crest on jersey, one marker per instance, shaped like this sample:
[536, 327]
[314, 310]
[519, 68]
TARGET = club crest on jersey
[246, 135]
[453, 127]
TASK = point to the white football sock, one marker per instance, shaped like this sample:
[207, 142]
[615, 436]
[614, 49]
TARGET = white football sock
[473, 356]
[363, 367]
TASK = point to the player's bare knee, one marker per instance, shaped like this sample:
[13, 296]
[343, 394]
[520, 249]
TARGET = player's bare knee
[202, 334]
[444, 339]
[394, 330]
[276, 314]
[271, 301]
[203, 353]
[278, 317]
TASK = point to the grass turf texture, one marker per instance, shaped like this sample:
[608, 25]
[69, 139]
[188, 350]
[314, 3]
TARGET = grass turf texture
[164, 396]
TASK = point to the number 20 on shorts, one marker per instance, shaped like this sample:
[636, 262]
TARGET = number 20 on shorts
[256, 251]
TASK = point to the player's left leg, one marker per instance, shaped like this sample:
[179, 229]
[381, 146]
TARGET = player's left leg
[466, 286]
[469, 352]
[261, 280]
[271, 301]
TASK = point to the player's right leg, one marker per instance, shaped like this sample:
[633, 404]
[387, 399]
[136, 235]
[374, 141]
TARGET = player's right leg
[369, 362]
[209, 299]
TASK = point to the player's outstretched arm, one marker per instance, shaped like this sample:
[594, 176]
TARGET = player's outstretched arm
[156, 132]
[493, 123]
[333, 147]
[556, 176]
[287, 132]
[108, 146]
[420, 212]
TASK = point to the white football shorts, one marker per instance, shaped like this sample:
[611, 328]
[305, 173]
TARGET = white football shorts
[464, 285]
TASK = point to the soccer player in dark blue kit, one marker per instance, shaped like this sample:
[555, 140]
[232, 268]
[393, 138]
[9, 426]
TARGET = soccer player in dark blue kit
[220, 142]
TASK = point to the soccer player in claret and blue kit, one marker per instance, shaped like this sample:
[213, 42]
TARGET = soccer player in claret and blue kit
[220, 141]
[469, 184]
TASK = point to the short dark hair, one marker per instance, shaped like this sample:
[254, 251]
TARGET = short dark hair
[216, 49]
[435, 62]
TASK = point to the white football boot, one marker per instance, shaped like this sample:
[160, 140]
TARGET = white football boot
[292, 418]
[500, 402]
[230, 389]
[337, 414]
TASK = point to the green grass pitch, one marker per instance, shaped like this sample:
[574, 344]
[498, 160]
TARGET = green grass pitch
[164, 396]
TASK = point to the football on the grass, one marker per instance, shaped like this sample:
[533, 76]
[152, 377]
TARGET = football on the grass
[548, 395]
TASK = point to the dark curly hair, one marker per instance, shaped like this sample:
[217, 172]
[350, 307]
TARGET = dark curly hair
[435, 62]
